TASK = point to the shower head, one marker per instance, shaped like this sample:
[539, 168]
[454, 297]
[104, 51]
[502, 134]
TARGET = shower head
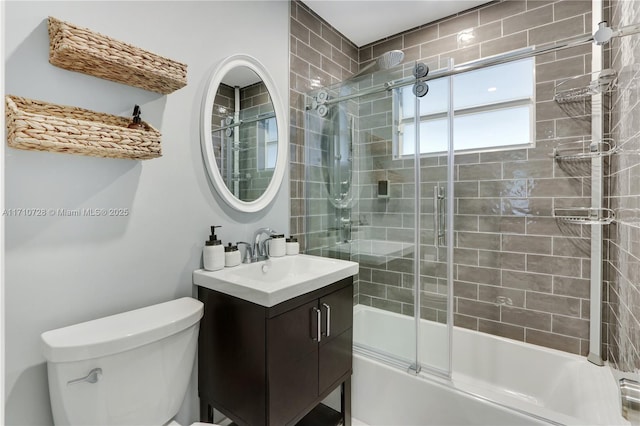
[383, 62]
[390, 59]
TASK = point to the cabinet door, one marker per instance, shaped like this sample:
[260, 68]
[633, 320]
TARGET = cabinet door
[292, 362]
[231, 357]
[337, 313]
[336, 346]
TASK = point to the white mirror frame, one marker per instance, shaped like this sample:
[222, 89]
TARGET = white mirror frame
[206, 140]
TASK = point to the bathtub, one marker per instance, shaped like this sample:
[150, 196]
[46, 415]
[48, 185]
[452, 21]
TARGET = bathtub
[495, 381]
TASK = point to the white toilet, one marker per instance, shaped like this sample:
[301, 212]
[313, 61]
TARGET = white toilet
[127, 369]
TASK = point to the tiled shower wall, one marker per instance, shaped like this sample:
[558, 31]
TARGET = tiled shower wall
[320, 56]
[622, 266]
[507, 242]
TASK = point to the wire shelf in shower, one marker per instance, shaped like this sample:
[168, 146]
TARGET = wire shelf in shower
[564, 93]
[579, 150]
[585, 215]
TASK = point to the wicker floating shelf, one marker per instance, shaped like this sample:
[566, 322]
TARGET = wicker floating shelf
[80, 49]
[41, 126]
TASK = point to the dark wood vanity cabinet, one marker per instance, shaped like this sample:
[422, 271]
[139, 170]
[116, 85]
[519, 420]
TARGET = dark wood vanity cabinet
[267, 365]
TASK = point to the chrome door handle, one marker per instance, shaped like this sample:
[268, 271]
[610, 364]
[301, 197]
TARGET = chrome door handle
[328, 308]
[319, 324]
[92, 377]
[436, 216]
[438, 223]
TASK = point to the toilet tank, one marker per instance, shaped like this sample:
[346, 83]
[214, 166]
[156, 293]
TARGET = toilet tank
[131, 368]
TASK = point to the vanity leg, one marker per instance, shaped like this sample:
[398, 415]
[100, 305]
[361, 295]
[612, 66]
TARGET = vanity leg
[345, 402]
[206, 412]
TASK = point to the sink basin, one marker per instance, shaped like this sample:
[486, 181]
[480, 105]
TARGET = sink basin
[276, 280]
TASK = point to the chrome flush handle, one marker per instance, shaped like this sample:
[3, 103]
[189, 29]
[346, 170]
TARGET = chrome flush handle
[92, 377]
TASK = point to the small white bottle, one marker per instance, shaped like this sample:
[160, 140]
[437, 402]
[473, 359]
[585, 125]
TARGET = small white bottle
[231, 256]
[293, 247]
[213, 253]
[277, 247]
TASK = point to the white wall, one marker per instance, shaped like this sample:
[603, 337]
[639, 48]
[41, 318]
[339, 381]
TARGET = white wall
[63, 270]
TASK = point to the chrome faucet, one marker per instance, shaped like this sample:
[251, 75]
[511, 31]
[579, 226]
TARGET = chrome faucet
[259, 249]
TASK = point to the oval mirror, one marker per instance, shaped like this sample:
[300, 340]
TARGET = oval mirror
[243, 133]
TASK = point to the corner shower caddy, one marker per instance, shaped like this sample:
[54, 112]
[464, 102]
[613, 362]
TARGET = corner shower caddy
[576, 150]
[80, 49]
[41, 126]
[585, 215]
[605, 82]
[586, 149]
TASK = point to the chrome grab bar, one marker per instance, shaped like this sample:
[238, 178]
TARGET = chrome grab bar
[92, 377]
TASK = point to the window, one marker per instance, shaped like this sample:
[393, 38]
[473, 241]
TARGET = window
[493, 108]
[267, 144]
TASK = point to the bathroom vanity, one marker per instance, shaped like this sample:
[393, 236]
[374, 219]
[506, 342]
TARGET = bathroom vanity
[273, 363]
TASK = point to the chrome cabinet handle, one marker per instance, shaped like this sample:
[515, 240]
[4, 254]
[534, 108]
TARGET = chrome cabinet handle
[92, 377]
[319, 324]
[328, 308]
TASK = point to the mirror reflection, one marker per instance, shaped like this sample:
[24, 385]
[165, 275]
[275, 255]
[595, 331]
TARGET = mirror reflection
[244, 133]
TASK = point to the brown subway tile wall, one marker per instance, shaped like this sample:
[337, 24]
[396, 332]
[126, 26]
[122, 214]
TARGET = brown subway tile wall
[319, 56]
[622, 248]
[507, 242]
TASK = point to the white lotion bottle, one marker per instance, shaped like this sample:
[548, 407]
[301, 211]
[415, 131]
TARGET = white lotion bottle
[213, 253]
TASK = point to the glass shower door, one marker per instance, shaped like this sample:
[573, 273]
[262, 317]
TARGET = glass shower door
[367, 200]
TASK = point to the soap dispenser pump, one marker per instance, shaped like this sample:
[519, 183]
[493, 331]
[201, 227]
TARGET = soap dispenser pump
[213, 253]
[136, 123]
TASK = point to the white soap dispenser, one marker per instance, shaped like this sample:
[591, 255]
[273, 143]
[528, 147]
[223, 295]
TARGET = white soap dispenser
[213, 253]
[231, 256]
[277, 246]
[293, 247]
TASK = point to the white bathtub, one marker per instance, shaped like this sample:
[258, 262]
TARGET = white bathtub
[495, 381]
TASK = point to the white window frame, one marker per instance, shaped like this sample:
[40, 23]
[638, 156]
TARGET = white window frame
[264, 143]
[508, 104]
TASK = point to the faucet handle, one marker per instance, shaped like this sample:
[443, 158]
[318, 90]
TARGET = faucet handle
[248, 252]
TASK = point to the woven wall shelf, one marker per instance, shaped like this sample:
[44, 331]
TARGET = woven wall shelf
[80, 49]
[41, 126]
